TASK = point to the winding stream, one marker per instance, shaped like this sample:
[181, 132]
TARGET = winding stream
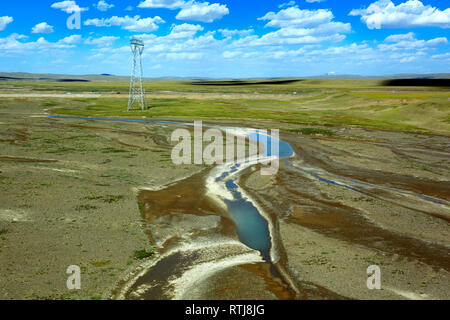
[253, 227]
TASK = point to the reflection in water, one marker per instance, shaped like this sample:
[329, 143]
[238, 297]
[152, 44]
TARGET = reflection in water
[252, 228]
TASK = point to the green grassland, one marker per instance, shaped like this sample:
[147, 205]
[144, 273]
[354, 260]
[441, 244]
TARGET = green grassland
[300, 86]
[342, 102]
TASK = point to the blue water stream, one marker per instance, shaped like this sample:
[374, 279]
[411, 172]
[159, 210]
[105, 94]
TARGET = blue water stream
[252, 227]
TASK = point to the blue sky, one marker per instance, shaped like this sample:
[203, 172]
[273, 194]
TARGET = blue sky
[227, 38]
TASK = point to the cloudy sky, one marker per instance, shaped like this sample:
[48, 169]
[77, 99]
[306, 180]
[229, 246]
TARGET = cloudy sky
[226, 38]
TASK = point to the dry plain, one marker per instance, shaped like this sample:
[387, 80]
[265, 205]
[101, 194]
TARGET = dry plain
[369, 184]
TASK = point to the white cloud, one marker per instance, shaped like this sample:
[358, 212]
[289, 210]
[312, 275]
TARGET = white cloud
[184, 31]
[129, 8]
[296, 36]
[408, 42]
[96, 56]
[343, 50]
[287, 4]
[182, 38]
[12, 45]
[401, 37]
[230, 33]
[202, 11]
[68, 6]
[296, 42]
[181, 44]
[443, 56]
[437, 41]
[106, 41]
[168, 43]
[240, 54]
[70, 40]
[42, 27]
[334, 57]
[408, 59]
[4, 21]
[312, 1]
[134, 24]
[232, 54]
[295, 17]
[103, 5]
[300, 27]
[410, 14]
[191, 10]
[168, 4]
[145, 25]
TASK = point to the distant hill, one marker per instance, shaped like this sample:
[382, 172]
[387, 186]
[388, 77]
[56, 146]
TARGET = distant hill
[390, 76]
[22, 76]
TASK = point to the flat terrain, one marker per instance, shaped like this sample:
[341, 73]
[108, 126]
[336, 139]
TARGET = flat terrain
[83, 192]
[68, 197]
[359, 102]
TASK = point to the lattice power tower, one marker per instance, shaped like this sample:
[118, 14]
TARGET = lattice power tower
[137, 90]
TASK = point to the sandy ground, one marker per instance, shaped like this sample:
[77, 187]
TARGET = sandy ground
[68, 197]
[168, 94]
[332, 234]
[49, 95]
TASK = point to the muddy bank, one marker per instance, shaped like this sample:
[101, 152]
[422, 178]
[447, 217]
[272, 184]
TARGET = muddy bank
[111, 189]
[355, 222]
[68, 197]
[195, 235]
[174, 214]
[336, 219]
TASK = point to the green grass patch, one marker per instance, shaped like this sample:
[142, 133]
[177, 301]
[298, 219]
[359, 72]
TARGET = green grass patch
[313, 131]
[317, 102]
[112, 150]
[85, 207]
[106, 199]
[100, 263]
[142, 254]
[389, 118]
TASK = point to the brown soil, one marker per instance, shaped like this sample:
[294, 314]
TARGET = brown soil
[97, 192]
